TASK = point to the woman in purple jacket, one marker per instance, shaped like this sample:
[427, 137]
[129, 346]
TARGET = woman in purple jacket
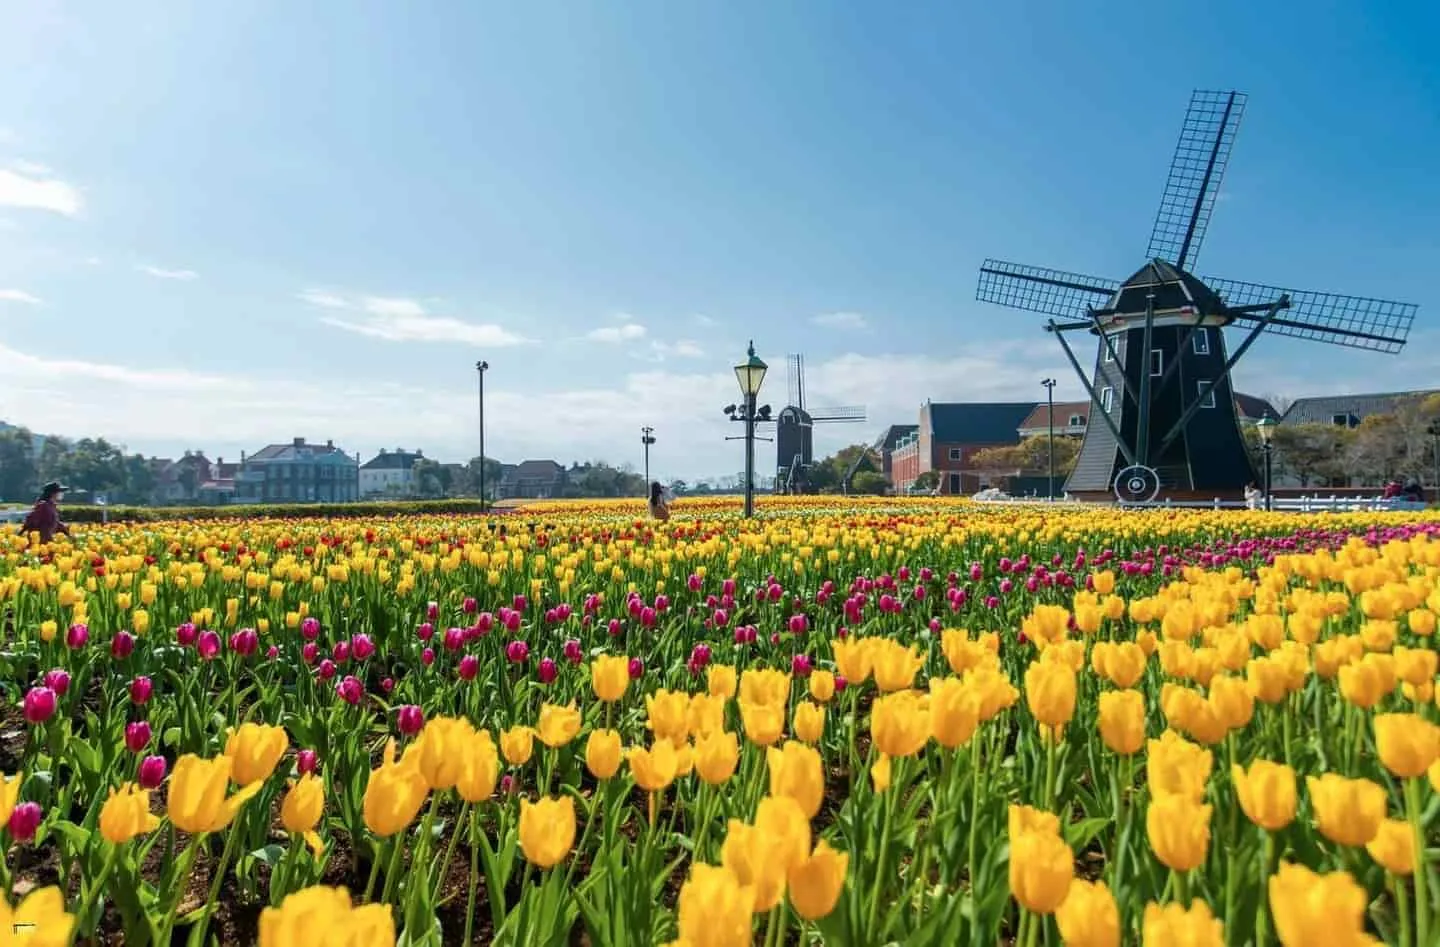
[45, 517]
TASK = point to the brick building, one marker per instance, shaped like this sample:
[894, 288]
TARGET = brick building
[948, 436]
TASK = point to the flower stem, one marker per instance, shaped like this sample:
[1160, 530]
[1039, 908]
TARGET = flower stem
[886, 813]
[392, 872]
[474, 872]
[96, 887]
[1262, 914]
[215, 881]
[187, 861]
[1414, 809]
[1402, 908]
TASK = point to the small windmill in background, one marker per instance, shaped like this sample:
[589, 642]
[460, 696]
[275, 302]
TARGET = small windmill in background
[795, 430]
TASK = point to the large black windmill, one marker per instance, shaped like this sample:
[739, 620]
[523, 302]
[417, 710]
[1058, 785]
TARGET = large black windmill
[795, 430]
[1162, 409]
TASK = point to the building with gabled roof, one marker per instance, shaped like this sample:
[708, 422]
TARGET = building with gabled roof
[1349, 410]
[390, 473]
[532, 480]
[298, 472]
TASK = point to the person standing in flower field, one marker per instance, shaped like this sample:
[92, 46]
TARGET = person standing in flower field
[44, 518]
[659, 508]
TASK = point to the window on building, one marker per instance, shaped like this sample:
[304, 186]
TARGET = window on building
[954, 483]
[1202, 342]
[1107, 399]
[1342, 420]
[954, 453]
[1077, 420]
[1206, 393]
[1111, 349]
[1157, 363]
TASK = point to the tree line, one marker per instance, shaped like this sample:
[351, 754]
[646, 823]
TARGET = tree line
[92, 464]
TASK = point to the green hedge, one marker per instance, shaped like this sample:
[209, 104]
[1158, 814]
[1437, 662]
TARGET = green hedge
[145, 514]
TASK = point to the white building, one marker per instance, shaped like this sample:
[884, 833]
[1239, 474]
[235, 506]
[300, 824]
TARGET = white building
[390, 474]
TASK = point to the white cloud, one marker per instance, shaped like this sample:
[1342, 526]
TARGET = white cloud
[399, 319]
[684, 348]
[161, 273]
[628, 332]
[841, 320]
[18, 296]
[38, 191]
[703, 320]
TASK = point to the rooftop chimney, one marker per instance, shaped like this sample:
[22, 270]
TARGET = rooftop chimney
[329, 443]
[299, 442]
[419, 452]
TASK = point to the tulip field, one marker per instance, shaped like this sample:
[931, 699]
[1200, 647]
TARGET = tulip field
[856, 722]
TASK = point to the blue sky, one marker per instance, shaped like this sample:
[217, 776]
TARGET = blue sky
[228, 224]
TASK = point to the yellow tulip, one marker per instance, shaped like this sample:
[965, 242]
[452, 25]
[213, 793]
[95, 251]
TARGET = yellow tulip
[815, 883]
[1176, 765]
[1050, 693]
[1266, 793]
[1088, 917]
[602, 753]
[303, 808]
[853, 659]
[325, 913]
[609, 677]
[126, 814]
[706, 714]
[481, 769]
[880, 773]
[517, 744]
[1393, 847]
[796, 771]
[1347, 811]
[765, 686]
[761, 855]
[1407, 743]
[894, 664]
[439, 753]
[1309, 908]
[1041, 870]
[1021, 819]
[196, 800]
[256, 750]
[1122, 721]
[558, 725]
[900, 724]
[9, 796]
[721, 681]
[653, 769]
[954, 711]
[547, 830]
[822, 685]
[668, 715]
[39, 920]
[1179, 831]
[394, 794]
[715, 909]
[809, 722]
[1173, 924]
[763, 722]
[716, 757]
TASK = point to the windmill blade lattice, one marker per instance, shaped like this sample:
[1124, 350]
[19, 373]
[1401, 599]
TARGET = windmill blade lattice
[1359, 322]
[1040, 289]
[1201, 156]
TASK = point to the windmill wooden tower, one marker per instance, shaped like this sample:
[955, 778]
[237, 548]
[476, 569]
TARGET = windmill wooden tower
[1161, 391]
[795, 430]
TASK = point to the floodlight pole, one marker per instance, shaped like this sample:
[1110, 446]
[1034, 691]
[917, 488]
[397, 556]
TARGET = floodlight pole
[1435, 457]
[480, 368]
[1267, 450]
[647, 437]
[1049, 384]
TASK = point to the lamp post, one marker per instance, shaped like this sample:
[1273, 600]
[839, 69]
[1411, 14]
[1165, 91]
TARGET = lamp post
[1265, 426]
[1434, 430]
[1049, 384]
[481, 368]
[750, 374]
[647, 437]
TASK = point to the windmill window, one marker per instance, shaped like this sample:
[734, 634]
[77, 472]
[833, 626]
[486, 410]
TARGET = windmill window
[1110, 350]
[954, 453]
[1157, 363]
[1207, 393]
[1107, 399]
[1202, 342]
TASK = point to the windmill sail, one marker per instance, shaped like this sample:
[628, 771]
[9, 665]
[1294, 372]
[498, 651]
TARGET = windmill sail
[1201, 156]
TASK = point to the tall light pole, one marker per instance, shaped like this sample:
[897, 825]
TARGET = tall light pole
[1265, 426]
[1049, 384]
[647, 437]
[1434, 430]
[480, 368]
[750, 374]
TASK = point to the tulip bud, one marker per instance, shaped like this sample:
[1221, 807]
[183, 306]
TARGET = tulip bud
[310, 629]
[58, 681]
[77, 636]
[122, 645]
[341, 652]
[547, 671]
[469, 667]
[326, 670]
[309, 651]
[39, 705]
[517, 652]
[409, 719]
[137, 736]
[425, 632]
[350, 689]
[306, 761]
[636, 669]
[152, 772]
[427, 657]
[362, 647]
[140, 690]
[207, 645]
[387, 684]
[572, 652]
[24, 820]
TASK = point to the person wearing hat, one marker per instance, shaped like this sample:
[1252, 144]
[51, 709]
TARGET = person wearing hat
[45, 517]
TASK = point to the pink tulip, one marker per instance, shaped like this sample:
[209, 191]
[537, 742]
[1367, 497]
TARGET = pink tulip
[310, 628]
[58, 681]
[326, 670]
[309, 651]
[572, 652]
[341, 652]
[547, 671]
[637, 669]
[185, 634]
[122, 645]
[245, 642]
[140, 690]
[517, 652]
[362, 647]
[469, 606]
[425, 632]
[306, 761]
[39, 705]
[207, 645]
[77, 636]
[432, 611]
[387, 684]
[350, 689]
[798, 624]
[152, 772]
[427, 657]
[409, 719]
[25, 820]
[137, 736]
[454, 639]
[800, 665]
[272, 652]
[469, 667]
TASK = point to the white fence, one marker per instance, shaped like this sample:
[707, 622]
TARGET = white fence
[1303, 504]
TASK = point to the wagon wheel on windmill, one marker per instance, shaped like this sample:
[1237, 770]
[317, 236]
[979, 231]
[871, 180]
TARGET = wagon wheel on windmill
[1161, 386]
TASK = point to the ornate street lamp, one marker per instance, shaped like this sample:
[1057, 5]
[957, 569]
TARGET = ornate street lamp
[751, 375]
[1266, 427]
